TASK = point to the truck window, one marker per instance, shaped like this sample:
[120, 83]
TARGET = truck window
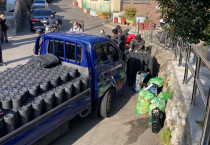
[101, 54]
[59, 51]
[106, 52]
[70, 51]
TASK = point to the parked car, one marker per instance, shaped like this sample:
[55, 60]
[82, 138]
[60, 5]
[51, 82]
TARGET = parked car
[37, 6]
[38, 16]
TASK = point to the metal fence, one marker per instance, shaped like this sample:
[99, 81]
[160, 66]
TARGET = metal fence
[182, 50]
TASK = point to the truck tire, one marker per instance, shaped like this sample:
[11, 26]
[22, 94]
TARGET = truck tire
[106, 104]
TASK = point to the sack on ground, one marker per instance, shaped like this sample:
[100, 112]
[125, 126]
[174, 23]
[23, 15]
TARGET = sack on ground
[142, 106]
[163, 95]
[158, 81]
[146, 95]
[159, 103]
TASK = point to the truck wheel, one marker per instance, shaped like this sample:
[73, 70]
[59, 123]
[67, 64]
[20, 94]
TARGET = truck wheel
[106, 104]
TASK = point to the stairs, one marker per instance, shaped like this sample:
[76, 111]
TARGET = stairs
[2, 5]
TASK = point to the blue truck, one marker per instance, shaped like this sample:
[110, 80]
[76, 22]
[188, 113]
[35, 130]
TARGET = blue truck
[99, 63]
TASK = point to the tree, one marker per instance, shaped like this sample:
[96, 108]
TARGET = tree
[188, 19]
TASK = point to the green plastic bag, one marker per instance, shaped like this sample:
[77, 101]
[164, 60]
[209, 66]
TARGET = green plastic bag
[158, 81]
[146, 95]
[163, 95]
[142, 106]
[156, 102]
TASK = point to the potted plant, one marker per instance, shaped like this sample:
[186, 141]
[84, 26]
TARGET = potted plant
[76, 3]
[140, 18]
[130, 12]
[122, 17]
[88, 10]
[105, 15]
[120, 14]
[115, 16]
[131, 20]
[146, 23]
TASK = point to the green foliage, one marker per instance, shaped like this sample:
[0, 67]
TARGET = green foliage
[105, 13]
[130, 12]
[166, 136]
[147, 19]
[139, 15]
[188, 19]
[169, 93]
[132, 18]
[122, 16]
[200, 123]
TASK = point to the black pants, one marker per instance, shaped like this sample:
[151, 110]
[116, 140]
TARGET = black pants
[3, 34]
[1, 59]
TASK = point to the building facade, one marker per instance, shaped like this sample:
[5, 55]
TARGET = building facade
[100, 5]
[146, 8]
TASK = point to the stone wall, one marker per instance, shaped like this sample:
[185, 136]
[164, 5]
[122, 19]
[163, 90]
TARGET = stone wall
[145, 9]
[176, 110]
[22, 9]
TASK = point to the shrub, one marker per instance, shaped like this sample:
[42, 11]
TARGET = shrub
[130, 12]
[166, 136]
[186, 19]
[122, 16]
[105, 13]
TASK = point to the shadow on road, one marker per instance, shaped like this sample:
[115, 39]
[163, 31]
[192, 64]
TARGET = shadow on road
[19, 59]
[79, 126]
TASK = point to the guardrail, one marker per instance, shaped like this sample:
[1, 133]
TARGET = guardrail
[183, 50]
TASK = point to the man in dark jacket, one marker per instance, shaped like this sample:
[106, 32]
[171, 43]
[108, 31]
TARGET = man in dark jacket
[122, 37]
[3, 29]
[137, 44]
[52, 21]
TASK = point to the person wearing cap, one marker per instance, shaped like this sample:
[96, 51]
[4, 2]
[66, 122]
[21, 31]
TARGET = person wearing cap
[76, 27]
[137, 44]
[122, 37]
[38, 32]
[52, 21]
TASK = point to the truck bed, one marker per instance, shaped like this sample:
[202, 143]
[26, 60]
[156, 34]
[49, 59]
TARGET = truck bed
[35, 101]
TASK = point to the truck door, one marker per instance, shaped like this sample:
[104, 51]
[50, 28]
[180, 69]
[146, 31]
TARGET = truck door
[109, 67]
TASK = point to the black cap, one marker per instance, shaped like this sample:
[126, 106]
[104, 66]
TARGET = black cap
[38, 31]
[118, 27]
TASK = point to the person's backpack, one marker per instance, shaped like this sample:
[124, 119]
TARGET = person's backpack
[157, 120]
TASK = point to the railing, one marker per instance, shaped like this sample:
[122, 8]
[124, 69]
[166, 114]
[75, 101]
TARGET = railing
[183, 50]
